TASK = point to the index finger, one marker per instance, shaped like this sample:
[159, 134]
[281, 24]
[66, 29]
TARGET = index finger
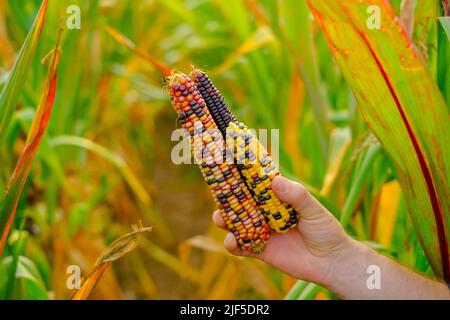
[218, 220]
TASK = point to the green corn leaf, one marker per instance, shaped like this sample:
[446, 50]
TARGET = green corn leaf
[296, 290]
[31, 286]
[445, 22]
[17, 77]
[358, 183]
[443, 52]
[309, 292]
[403, 106]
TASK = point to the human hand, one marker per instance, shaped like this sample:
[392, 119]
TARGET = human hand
[312, 249]
[319, 250]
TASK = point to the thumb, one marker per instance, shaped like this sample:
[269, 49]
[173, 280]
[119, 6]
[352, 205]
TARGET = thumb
[298, 197]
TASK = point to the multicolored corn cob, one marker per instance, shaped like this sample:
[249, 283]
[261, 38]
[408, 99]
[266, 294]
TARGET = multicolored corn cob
[254, 163]
[258, 170]
[239, 209]
[216, 103]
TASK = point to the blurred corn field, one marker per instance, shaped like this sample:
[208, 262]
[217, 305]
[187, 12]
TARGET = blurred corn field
[104, 161]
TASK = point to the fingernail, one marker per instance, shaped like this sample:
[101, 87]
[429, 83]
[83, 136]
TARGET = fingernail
[280, 184]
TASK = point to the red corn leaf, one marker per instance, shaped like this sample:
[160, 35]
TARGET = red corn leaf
[403, 106]
[10, 198]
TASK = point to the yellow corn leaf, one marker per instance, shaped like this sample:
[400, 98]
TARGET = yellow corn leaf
[258, 39]
[114, 251]
[322, 296]
[227, 283]
[91, 281]
[340, 142]
[291, 123]
[387, 212]
[116, 159]
[120, 38]
[407, 15]
[171, 261]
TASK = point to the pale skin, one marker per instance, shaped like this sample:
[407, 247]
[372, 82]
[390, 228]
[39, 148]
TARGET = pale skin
[318, 250]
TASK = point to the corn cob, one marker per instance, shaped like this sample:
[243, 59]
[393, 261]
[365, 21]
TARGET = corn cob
[258, 171]
[241, 214]
[254, 163]
[215, 102]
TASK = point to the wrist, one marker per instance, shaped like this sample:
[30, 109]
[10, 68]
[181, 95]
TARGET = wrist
[345, 265]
